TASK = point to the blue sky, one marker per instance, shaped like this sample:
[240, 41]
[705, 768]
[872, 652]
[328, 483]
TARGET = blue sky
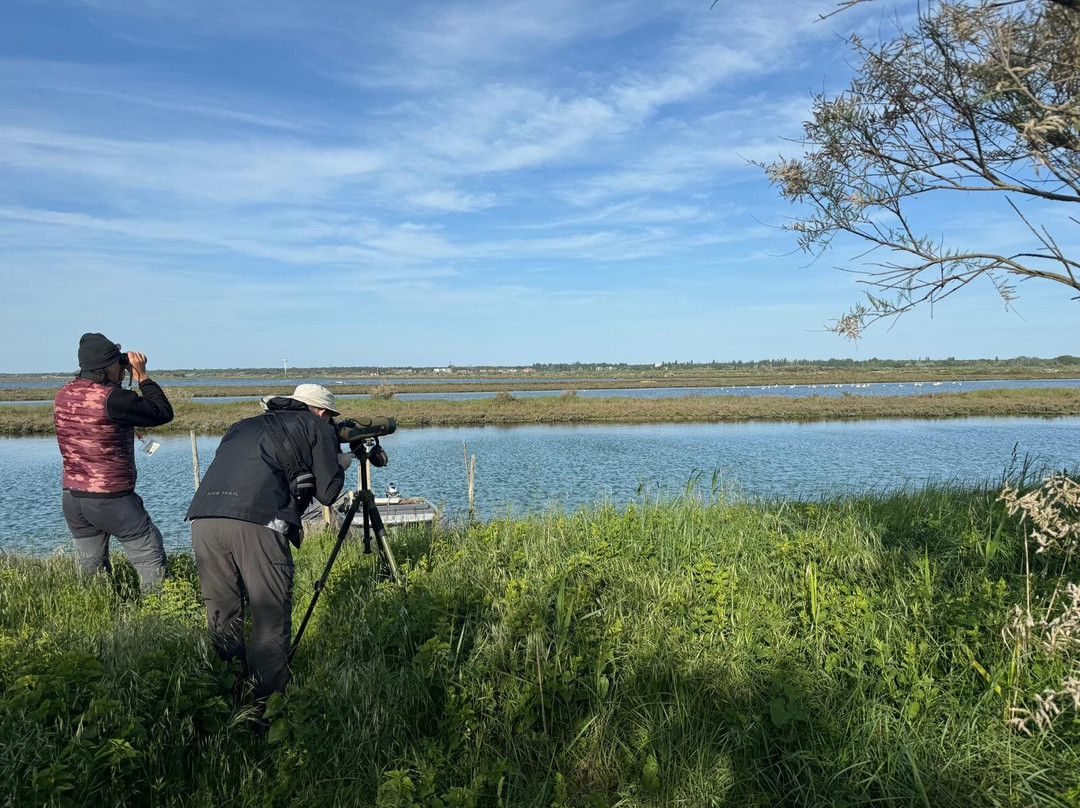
[351, 183]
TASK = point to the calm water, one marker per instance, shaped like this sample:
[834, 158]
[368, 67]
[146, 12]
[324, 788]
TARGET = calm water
[295, 380]
[794, 390]
[533, 467]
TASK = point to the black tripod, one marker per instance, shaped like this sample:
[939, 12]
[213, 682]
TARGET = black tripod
[388, 569]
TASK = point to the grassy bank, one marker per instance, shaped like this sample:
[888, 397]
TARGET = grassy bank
[216, 417]
[765, 371]
[784, 378]
[696, 653]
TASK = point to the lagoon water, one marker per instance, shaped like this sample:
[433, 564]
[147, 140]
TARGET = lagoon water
[794, 390]
[531, 468]
[268, 381]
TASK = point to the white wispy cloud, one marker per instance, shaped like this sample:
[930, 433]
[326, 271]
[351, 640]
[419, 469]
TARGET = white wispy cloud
[465, 154]
[136, 90]
[290, 237]
[234, 171]
[440, 46]
[491, 128]
[632, 211]
[452, 201]
[254, 17]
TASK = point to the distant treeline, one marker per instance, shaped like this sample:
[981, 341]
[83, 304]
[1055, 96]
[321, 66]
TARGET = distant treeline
[736, 365]
[1007, 366]
[779, 364]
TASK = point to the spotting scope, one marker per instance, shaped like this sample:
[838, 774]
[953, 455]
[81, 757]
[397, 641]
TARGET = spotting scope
[353, 430]
[362, 435]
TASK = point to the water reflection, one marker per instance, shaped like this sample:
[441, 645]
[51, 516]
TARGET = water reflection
[792, 390]
[533, 467]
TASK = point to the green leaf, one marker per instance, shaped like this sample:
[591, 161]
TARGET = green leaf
[650, 774]
[279, 730]
[274, 705]
[778, 711]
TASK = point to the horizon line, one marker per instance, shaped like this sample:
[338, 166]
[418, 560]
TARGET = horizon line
[1067, 359]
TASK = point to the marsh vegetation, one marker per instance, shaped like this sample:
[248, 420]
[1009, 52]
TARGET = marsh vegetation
[698, 651]
[213, 417]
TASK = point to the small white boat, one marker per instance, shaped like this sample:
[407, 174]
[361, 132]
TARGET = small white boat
[395, 511]
[404, 510]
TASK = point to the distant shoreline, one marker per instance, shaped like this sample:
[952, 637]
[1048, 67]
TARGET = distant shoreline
[387, 387]
[761, 372]
[215, 418]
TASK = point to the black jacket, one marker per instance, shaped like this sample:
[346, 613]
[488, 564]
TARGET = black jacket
[248, 479]
[127, 407]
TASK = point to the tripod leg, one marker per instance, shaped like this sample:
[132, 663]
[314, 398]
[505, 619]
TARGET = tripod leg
[320, 584]
[360, 494]
[388, 567]
[389, 563]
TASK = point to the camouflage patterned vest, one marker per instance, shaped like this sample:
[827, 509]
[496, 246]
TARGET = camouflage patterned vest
[99, 455]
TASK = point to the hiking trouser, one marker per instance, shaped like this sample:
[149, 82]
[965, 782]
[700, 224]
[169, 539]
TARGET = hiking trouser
[92, 520]
[241, 560]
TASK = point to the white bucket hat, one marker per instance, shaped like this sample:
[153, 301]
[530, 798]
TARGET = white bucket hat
[315, 395]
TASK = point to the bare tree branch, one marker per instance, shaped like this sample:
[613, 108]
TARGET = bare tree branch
[978, 97]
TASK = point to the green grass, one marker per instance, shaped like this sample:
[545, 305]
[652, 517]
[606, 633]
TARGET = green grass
[781, 374]
[569, 408]
[766, 371]
[697, 652]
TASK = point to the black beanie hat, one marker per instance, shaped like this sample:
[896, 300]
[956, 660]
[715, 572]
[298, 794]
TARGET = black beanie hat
[97, 352]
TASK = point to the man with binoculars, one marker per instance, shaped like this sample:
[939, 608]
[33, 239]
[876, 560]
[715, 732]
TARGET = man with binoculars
[95, 425]
[246, 513]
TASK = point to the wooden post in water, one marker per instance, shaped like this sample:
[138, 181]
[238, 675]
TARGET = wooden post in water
[472, 482]
[470, 475]
[195, 459]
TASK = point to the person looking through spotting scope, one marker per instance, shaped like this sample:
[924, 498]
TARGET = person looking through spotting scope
[246, 513]
[95, 424]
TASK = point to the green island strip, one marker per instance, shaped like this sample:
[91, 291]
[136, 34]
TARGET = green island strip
[847, 651]
[783, 377]
[211, 417]
[761, 371]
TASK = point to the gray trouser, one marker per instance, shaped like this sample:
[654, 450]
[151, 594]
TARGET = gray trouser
[92, 520]
[238, 559]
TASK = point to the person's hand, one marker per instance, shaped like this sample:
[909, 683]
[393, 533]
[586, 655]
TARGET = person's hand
[138, 366]
[345, 459]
